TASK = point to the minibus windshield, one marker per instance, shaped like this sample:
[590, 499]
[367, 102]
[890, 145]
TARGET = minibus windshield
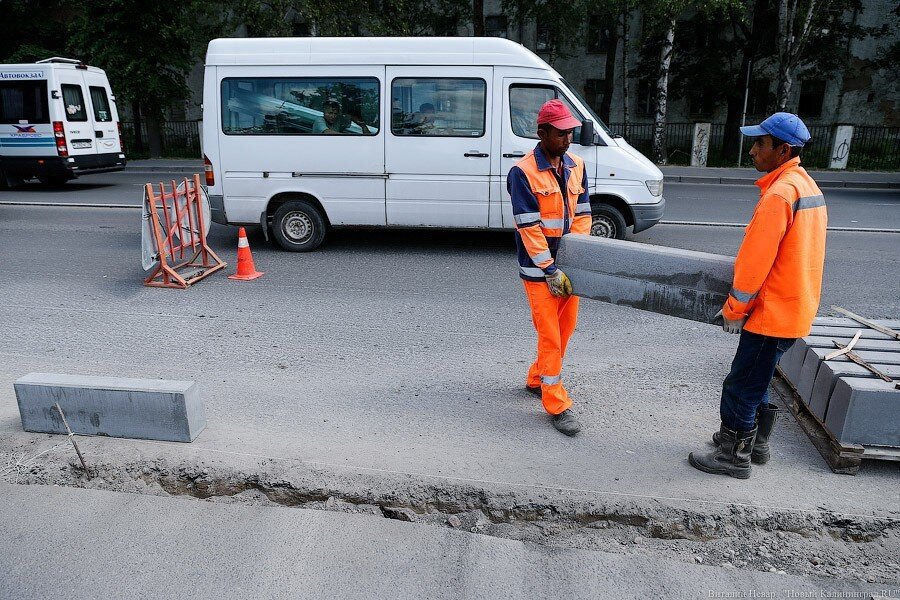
[597, 121]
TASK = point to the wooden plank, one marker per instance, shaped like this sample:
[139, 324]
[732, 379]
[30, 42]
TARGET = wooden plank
[867, 322]
[841, 458]
[843, 349]
[881, 452]
[853, 356]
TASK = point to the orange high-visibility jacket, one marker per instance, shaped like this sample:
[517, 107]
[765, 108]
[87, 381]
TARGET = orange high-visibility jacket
[778, 269]
[541, 212]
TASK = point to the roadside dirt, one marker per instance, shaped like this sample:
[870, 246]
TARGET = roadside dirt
[797, 542]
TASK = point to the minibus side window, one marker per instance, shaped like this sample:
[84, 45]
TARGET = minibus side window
[524, 103]
[100, 102]
[446, 107]
[301, 106]
[73, 101]
[24, 101]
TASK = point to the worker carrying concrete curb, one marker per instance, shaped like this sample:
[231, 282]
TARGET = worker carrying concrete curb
[549, 193]
[775, 294]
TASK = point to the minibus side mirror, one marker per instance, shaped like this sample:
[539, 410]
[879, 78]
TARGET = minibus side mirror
[587, 133]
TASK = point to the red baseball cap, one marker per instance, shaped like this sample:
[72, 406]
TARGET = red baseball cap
[556, 114]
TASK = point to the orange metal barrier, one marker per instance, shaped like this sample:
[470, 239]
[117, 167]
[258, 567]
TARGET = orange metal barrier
[178, 232]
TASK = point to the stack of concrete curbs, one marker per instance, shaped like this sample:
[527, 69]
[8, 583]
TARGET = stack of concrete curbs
[680, 283]
[854, 405]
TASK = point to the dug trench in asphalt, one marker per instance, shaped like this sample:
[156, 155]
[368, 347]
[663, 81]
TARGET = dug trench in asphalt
[335, 377]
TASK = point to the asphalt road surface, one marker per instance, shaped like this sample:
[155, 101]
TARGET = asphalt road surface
[687, 202]
[847, 207]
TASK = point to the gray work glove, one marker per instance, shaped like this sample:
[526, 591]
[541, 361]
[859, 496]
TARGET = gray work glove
[729, 326]
[559, 284]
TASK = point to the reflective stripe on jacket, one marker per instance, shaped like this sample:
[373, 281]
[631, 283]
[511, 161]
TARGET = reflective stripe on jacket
[778, 269]
[541, 216]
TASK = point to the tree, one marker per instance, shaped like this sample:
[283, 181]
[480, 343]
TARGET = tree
[662, 18]
[417, 17]
[563, 22]
[795, 19]
[24, 38]
[147, 48]
[478, 18]
[716, 53]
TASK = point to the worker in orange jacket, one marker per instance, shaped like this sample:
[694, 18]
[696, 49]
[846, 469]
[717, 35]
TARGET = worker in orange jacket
[549, 193]
[775, 294]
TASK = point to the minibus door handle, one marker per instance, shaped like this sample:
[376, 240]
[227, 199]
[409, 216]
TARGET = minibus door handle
[98, 134]
[475, 154]
[513, 155]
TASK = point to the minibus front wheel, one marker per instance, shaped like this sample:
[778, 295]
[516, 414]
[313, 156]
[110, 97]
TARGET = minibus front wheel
[298, 226]
[607, 221]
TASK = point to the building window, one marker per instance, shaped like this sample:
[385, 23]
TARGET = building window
[812, 96]
[594, 90]
[300, 106]
[646, 96]
[599, 35]
[701, 103]
[496, 26]
[759, 98]
[544, 39]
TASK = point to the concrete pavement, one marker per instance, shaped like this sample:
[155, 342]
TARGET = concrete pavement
[707, 175]
[82, 543]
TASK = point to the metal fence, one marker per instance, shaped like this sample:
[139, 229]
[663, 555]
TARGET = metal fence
[875, 148]
[679, 138]
[180, 139]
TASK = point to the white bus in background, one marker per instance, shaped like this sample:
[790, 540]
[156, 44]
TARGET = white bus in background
[304, 134]
[58, 120]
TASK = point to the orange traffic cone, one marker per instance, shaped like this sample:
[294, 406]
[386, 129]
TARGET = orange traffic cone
[245, 268]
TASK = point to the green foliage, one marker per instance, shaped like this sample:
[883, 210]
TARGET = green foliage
[416, 17]
[267, 19]
[147, 47]
[276, 18]
[32, 30]
[565, 22]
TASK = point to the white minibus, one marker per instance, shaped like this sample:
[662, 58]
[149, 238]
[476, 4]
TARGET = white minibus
[58, 120]
[304, 134]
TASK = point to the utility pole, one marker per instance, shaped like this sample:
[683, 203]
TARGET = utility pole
[744, 112]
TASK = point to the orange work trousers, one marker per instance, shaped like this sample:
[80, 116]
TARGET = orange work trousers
[554, 320]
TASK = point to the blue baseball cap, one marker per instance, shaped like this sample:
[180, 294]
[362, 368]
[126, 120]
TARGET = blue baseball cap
[784, 126]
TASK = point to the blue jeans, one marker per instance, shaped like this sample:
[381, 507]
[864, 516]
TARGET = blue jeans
[747, 385]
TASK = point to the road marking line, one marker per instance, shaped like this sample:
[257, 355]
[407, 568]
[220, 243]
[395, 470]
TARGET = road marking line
[67, 204]
[714, 224]
[688, 223]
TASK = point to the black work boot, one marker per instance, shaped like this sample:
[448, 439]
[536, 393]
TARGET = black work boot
[534, 390]
[731, 456]
[566, 422]
[766, 415]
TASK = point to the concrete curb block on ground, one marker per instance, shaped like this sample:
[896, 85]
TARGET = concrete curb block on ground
[152, 409]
